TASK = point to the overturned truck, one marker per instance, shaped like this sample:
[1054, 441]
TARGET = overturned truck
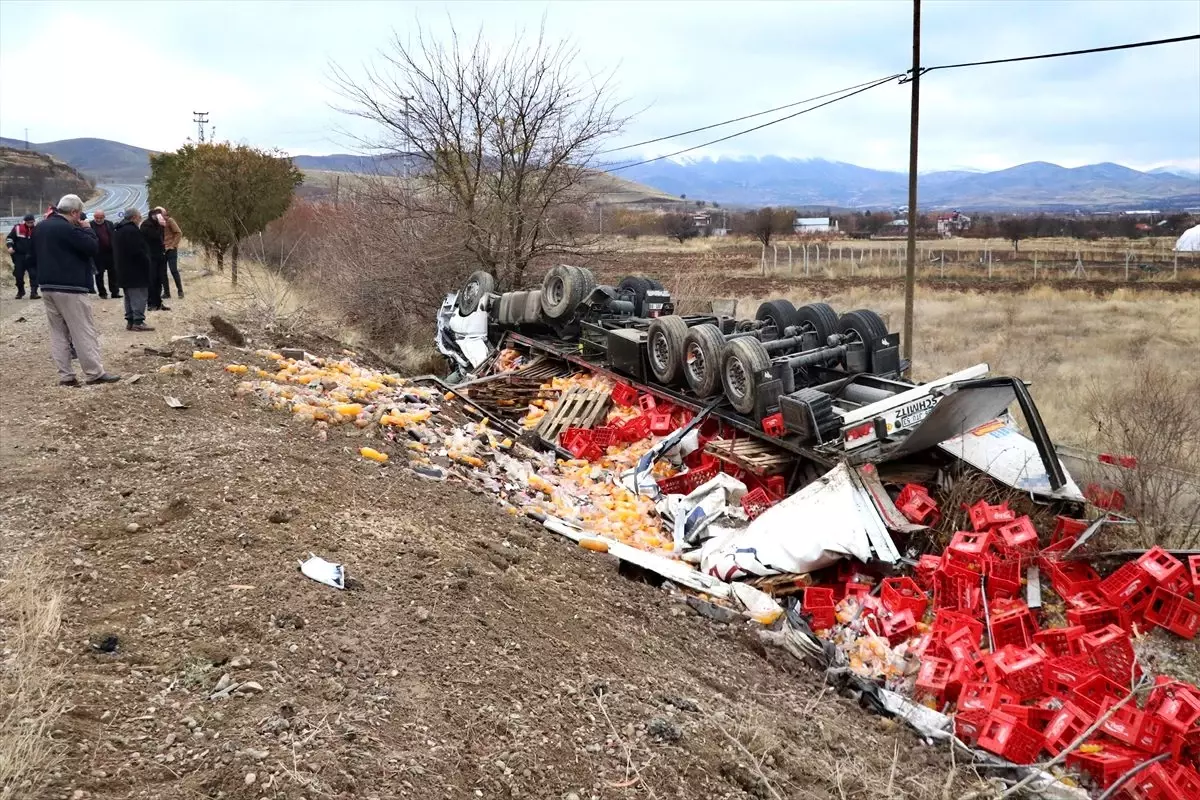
[813, 387]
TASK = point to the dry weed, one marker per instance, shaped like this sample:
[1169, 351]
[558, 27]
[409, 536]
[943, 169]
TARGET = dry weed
[30, 606]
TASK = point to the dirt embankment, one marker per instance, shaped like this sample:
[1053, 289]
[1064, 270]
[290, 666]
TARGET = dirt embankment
[29, 180]
[473, 656]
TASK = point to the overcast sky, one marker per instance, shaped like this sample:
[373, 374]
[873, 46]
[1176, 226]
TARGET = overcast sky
[261, 70]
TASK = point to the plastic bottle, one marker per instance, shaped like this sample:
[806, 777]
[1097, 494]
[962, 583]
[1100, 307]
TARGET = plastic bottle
[203, 355]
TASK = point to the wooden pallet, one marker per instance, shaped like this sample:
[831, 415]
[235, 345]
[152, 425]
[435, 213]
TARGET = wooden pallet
[578, 408]
[752, 455]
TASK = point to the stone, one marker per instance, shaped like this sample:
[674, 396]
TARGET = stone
[250, 686]
[250, 778]
[132, 527]
[422, 614]
[664, 730]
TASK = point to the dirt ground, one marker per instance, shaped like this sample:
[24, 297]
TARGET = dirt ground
[474, 655]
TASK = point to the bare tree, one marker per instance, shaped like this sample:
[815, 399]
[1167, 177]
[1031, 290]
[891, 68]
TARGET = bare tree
[500, 140]
[765, 224]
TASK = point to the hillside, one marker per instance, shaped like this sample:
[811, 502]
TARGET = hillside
[100, 159]
[29, 180]
[772, 180]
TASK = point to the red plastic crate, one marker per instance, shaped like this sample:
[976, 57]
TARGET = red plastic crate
[1187, 780]
[1019, 534]
[647, 402]
[624, 395]
[1059, 642]
[772, 425]
[901, 593]
[1110, 499]
[917, 506]
[819, 604]
[1090, 694]
[932, 679]
[1112, 650]
[962, 673]
[947, 622]
[971, 545]
[660, 422]
[963, 645]
[1162, 607]
[1065, 728]
[1070, 578]
[969, 724]
[1129, 586]
[634, 429]
[1067, 528]
[984, 516]
[1177, 705]
[756, 502]
[1155, 782]
[776, 485]
[1085, 599]
[1160, 565]
[1095, 618]
[983, 696]
[1064, 673]
[898, 626]
[1014, 626]
[1022, 671]
[926, 566]
[1194, 569]
[1185, 620]
[604, 436]
[1004, 577]
[1105, 766]
[956, 592]
[1132, 726]
[1008, 737]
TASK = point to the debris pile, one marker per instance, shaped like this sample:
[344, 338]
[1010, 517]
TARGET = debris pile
[962, 634]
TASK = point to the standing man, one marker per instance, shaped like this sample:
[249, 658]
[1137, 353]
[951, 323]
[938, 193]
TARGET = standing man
[64, 248]
[133, 272]
[172, 236]
[104, 259]
[20, 249]
[154, 233]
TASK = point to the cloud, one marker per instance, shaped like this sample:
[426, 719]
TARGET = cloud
[261, 70]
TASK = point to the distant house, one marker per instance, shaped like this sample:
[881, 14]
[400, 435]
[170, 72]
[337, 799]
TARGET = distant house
[952, 224]
[807, 225]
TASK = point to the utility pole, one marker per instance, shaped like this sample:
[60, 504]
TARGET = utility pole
[27, 138]
[407, 134]
[201, 119]
[910, 271]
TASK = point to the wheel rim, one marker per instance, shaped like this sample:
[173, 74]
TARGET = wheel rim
[556, 291]
[471, 295]
[660, 351]
[735, 375]
[696, 365]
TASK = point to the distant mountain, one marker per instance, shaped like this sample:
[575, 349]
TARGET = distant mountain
[772, 180]
[1180, 171]
[100, 159]
[29, 180]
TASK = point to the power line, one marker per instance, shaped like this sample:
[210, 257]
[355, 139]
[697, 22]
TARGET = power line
[1108, 49]
[201, 119]
[871, 85]
[740, 119]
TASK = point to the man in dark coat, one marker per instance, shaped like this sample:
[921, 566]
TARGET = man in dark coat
[64, 247]
[153, 231]
[104, 258]
[132, 269]
[20, 247]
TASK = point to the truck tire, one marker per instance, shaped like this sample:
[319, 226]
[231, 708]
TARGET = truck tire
[864, 324]
[638, 286]
[780, 313]
[741, 362]
[562, 290]
[819, 318]
[477, 286]
[702, 350]
[589, 281]
[664, 348]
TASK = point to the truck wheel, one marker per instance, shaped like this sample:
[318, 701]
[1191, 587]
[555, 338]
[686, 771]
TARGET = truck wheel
[478, 286]
[819, 318]
[743, 360]
[637, 286]
[589, 281]
[702, 350]
[863, 324]
[562, 291]
[664, 345]
[780, 313]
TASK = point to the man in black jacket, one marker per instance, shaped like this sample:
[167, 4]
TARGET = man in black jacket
[104, 258]
[20, 247]
[131, 260]
[64, 247]
[153, 231]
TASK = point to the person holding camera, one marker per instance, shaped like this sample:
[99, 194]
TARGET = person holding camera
[153, 231]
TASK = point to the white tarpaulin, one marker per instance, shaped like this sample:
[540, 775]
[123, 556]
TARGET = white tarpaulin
[829, 519]
[1002, 451]
[1189, 242]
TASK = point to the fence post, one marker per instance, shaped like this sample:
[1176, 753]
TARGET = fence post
[790, 270]
[989, 263]
[805, 260]
[762, 260]
[1175, 273]
[775, 258]
[942, 263]
[1035, 265]
[1128, 255]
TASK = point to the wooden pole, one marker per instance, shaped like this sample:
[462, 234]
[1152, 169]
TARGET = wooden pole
[910, 273]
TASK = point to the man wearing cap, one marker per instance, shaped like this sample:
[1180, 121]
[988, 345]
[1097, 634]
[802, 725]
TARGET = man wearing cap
[20, 248]
[104, 259]
[172, 236]
[64, 248]
[131, 258]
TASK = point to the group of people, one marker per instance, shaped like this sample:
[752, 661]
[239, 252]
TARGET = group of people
[67, 257]
[160, 232]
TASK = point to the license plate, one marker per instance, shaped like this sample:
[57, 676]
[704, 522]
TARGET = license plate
[910, 420]
[913, 413]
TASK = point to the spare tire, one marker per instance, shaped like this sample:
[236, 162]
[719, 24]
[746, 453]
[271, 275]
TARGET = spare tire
[637, 286]
[589, 281]
[664, 348]
[863, 324]
[741, 362]
[702, 350]
[819, 318]
[477, 286]
[780, 313]
[562, 290]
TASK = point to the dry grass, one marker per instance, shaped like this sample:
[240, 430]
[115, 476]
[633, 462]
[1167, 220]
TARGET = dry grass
[30, 604]
[1064, 342]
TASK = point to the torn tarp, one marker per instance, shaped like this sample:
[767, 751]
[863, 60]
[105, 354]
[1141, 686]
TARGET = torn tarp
[692, 516]
[831, 518]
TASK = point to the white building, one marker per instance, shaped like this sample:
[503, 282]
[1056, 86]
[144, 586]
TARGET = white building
[804, 225]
